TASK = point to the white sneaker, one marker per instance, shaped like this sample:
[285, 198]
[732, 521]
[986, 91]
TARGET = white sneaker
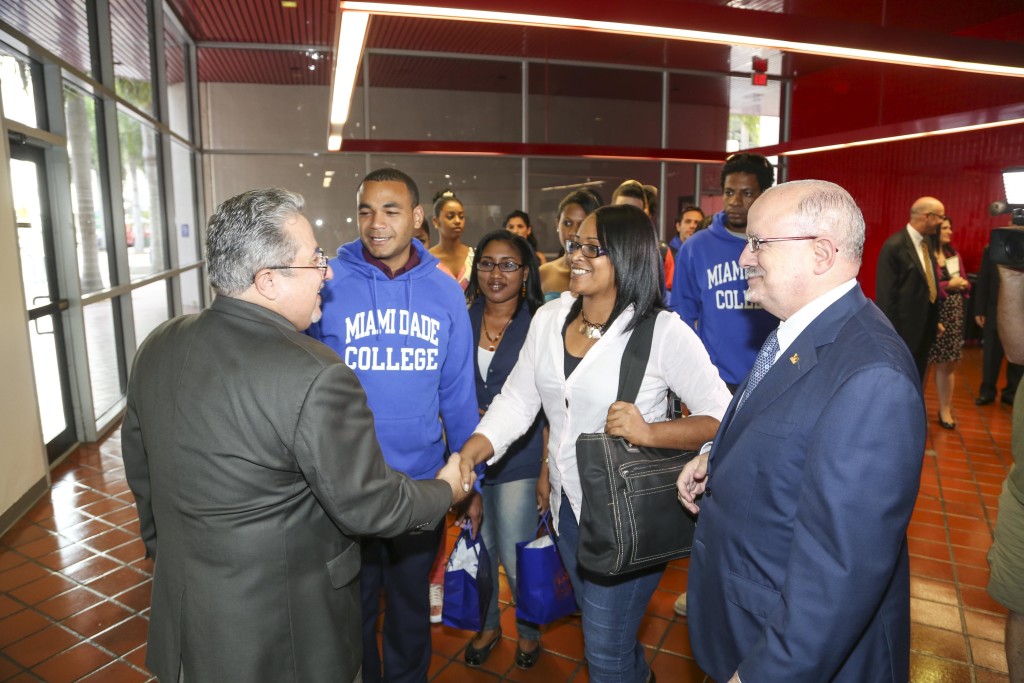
[680, 606]
[437, 602]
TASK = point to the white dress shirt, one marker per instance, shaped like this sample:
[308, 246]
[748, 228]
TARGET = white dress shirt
[917, 238]
[579, 404]
[791, 328]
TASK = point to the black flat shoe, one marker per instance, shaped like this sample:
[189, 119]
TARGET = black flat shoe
[984, 400]
[1006, 400]
[476, 657]
[525, 660]
[946, 425]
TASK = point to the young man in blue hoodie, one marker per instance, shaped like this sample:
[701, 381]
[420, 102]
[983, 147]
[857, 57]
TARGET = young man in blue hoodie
[401, 324]
[709, 286]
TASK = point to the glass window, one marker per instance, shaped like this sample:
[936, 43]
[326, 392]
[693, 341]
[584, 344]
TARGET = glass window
[16, 88]
[46, 367]
[178, 112]
[106, 371]
[594, 106]
[129, 31]
[488, 187]
[191, 291]
[95, 246]
[327, 182]
[753, 114]
[140, 190]
[150, 307]
[550, 180]
[185, 227]
[283, 123]
[698, 112]
[60, 27]
[481, 101]
[35, 279]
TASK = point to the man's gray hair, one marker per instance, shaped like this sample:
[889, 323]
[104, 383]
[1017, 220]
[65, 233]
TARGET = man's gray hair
[246, 234]
[827, 210]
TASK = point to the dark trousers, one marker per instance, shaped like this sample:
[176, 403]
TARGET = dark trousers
[992, 361]
[401, 567]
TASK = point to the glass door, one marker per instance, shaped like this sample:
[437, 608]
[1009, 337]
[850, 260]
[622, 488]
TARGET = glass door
[42, 297]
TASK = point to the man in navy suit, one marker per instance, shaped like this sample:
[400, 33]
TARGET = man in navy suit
[906, 286]
[800, 569]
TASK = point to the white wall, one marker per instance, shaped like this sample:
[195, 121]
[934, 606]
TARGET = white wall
[22, 455]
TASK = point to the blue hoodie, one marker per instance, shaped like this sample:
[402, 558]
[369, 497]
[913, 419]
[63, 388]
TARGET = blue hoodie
[709, 292]
[410, 343]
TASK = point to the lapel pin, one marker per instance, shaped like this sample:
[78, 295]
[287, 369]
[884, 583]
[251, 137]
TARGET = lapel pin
[795, 358]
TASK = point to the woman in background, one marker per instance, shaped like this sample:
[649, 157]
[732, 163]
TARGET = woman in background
[450, 220]
[519, 222]
[948, 346]
[504, 293]
[577, 205]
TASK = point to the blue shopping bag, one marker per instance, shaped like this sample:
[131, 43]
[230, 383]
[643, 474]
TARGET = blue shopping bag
[543, 591]
[468, 583]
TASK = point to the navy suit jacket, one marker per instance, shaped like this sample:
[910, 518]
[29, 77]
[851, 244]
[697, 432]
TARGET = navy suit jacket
[800, 569]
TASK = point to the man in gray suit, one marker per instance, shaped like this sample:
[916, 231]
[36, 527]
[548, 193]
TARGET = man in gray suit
[250, 450]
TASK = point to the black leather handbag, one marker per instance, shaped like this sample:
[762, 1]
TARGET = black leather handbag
[631, 518]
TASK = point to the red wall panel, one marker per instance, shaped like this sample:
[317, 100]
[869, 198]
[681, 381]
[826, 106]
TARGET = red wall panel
[962, 170]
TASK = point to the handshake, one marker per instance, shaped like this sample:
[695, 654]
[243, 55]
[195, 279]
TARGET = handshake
[452, 474]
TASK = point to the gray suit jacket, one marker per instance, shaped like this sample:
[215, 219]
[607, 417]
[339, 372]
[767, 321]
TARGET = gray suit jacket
[251, 453]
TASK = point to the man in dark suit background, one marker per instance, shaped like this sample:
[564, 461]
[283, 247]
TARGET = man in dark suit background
[800, 571]
[250, 450]
[906, 284]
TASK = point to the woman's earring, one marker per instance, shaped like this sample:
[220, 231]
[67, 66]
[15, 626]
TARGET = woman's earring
[522, 292]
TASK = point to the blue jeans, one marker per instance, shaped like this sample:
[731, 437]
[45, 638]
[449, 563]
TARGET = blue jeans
[612, 610]
[510, 517]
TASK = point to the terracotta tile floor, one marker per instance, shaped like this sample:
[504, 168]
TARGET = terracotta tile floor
[74, 587]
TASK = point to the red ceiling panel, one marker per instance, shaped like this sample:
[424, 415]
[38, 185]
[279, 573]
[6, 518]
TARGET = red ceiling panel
[311, 22]
[276, 67]
[402, 71]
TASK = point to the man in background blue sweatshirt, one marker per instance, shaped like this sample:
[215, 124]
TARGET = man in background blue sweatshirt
[401, 324]
[709, 286]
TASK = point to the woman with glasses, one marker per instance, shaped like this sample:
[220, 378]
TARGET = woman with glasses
[947, 348]
[569, 367]
[574, 207]
[504, 293]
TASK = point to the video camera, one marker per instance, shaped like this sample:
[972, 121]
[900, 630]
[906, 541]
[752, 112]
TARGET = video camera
[1007, 244]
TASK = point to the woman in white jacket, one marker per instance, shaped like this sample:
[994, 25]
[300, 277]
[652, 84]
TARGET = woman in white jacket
[569, 366]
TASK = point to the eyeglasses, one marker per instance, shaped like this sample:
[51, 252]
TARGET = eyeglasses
[756, 242]
[321, 263]
[589, 250]
[503, 266]
[940, 216]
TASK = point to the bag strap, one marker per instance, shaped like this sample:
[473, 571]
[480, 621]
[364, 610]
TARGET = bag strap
[634, 359]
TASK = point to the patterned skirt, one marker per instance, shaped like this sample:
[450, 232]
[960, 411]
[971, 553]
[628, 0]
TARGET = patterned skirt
[949, 345]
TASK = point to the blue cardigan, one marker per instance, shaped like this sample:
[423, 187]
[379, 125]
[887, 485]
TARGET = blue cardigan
[523, 458]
